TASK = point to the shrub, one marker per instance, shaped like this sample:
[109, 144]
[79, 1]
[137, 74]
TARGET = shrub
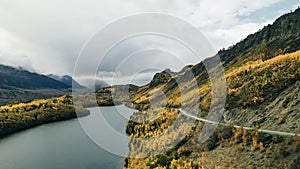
[163, 160]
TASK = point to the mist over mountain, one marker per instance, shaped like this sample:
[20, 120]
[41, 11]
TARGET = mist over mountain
[67, 80]
[20, 78]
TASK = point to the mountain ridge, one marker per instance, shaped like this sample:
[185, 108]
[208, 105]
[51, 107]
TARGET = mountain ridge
[281, 39]
[21, 78]
[67, 80]
[262, 75]
[21, 85]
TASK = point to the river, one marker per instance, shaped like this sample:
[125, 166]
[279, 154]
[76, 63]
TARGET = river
[65, 145]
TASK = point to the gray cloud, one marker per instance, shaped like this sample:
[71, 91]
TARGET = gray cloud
[47, 36]
[147, 51]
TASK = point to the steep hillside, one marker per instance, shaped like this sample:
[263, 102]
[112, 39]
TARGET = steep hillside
[282, 37]
[260, 95]
[262, 75]
[279, 38]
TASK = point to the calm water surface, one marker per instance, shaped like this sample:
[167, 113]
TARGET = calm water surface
[64, 145]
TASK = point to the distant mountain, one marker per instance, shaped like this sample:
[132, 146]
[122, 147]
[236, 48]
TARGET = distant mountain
[20, 85]
[67, 80]
[20, 78]
[99, 84]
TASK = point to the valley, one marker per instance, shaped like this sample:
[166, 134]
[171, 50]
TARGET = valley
[262, 77]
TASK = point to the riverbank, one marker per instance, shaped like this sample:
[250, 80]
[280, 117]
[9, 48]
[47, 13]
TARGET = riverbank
[22, 116]
[65, 144]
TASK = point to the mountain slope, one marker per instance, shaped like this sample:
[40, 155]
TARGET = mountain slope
[264, 94]
[17, 85]
[24, 79]
[279, 38]
[262, 75]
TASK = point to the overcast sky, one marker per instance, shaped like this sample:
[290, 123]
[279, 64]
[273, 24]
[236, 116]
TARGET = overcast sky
[47, 36]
